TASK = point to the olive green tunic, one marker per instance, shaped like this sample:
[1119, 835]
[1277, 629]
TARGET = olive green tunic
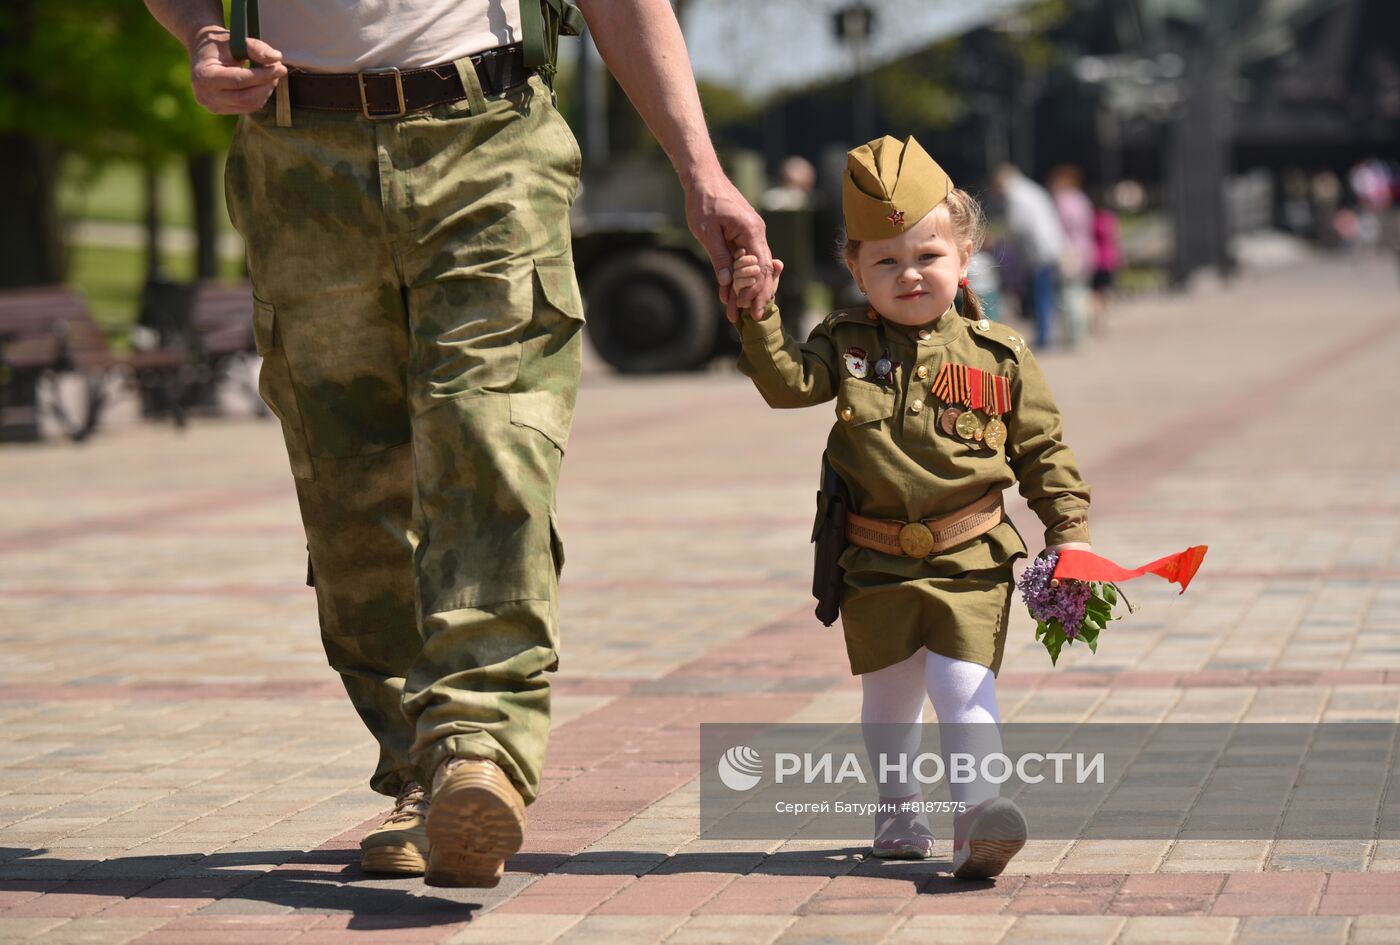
[889, 448]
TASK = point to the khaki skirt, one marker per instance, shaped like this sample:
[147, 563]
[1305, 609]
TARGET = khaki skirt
[956, 603]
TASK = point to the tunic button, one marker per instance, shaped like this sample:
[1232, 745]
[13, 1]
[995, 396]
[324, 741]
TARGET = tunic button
[923, 334]
[922, 372]
[847, 414]
[983, 325]
[916, 406]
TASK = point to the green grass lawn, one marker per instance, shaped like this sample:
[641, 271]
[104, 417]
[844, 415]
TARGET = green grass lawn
[110, 277]
[115, 191]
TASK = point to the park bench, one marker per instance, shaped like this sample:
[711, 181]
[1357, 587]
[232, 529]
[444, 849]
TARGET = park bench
[47, 332]
[220, 332]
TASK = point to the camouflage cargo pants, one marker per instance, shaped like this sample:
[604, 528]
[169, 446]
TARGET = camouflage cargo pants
[418, 318]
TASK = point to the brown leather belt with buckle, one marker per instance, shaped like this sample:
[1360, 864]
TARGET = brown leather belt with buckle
[391, 93]
[921, 539]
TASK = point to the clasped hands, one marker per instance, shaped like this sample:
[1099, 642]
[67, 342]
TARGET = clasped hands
[749, 272]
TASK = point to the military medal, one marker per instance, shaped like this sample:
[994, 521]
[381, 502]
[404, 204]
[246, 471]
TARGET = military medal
[948, 420]
[994, 434]
[968, 390]
[884, 369]
[856, 363]
[968, 426]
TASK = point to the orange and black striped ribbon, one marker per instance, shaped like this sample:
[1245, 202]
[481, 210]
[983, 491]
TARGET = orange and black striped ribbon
[972, 387]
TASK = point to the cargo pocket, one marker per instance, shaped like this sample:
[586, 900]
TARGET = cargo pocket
[276, 388]
[554, 275]
[556, 544]
[544, 412]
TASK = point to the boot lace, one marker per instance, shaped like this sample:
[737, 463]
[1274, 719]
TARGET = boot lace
[411, 804]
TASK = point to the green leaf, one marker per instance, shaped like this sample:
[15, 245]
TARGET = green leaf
[1054, 640]
[1110, 594]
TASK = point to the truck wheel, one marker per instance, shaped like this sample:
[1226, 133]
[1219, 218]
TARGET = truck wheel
[651, 311]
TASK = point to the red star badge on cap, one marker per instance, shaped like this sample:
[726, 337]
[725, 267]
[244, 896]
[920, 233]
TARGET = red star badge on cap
[896, 218]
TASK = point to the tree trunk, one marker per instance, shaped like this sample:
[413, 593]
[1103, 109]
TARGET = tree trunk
[152, 223]
[31, 232]
[206, 220]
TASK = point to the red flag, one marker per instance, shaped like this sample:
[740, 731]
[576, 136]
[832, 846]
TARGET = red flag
[1179, 568]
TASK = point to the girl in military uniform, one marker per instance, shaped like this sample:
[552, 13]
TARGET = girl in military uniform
[937, 411]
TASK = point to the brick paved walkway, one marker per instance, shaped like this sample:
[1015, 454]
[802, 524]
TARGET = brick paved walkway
[177, 765]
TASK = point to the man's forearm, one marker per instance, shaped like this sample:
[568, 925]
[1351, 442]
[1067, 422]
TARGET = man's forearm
[641, 43]
[187, 19]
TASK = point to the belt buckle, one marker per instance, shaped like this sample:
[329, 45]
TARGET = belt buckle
[398, 87]
[916, 540]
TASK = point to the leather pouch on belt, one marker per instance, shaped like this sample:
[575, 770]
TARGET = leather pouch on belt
[829, 535]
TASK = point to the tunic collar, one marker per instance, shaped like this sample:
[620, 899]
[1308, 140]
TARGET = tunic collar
[950, 325]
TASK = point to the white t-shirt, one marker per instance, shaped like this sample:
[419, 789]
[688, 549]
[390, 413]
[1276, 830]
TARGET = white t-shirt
[354, 35]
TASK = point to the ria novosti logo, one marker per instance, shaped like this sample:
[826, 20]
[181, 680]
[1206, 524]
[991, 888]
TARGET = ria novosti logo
[740, 768]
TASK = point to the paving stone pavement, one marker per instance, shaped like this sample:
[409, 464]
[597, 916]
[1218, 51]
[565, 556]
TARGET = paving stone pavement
[178, 766]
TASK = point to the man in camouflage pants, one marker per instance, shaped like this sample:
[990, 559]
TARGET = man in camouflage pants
[418, 318]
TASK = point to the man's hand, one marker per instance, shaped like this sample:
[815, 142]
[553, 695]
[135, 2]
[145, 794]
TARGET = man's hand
[222, 84]
[723, 222]
[749, 272]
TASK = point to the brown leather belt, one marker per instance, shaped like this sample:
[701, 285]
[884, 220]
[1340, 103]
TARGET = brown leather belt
[921, 539]
[390, 93]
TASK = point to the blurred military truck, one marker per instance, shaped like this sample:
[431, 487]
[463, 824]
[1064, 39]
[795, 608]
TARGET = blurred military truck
[648, 287]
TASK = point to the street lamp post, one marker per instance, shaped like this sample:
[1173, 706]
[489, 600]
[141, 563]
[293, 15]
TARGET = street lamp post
[854, 26]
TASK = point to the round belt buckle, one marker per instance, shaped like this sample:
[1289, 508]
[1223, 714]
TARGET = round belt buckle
[916, 540]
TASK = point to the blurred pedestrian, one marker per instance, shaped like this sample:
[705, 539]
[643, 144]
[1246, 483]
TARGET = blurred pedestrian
[1076, 212]
[1325, 190]
[1108, 259]
[797, 178]
[402, 180]
[1377, 187]
[1033, 222]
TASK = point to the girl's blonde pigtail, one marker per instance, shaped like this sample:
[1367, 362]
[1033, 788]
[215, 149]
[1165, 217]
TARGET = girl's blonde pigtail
[972, 305]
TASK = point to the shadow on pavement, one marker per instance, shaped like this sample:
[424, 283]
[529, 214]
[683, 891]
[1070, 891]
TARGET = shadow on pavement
[330, 881]
[318, 881]
[934, 876]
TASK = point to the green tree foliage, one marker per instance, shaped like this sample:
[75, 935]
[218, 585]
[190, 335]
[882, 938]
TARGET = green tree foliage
[100, 77]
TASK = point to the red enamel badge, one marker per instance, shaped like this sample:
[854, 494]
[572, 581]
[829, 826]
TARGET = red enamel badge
[896, 218]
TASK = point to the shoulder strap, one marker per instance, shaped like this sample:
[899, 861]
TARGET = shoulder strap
[243, 23]
[541, 23]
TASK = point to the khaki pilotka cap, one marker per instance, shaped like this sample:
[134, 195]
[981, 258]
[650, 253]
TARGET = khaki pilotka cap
[889, 186]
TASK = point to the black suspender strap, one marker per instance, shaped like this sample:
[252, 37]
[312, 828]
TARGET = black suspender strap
[243, 17]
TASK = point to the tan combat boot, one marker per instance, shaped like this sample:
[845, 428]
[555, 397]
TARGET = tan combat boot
[400, 844]
[476, 823]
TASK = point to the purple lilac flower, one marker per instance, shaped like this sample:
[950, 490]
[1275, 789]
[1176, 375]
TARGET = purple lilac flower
[1064, 603]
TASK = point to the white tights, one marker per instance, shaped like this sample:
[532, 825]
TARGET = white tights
[893, 706]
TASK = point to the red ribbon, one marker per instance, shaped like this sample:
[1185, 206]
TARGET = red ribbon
[1179, 568]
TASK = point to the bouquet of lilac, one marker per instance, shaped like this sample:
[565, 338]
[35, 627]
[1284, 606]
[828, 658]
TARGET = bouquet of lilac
[1066, 610]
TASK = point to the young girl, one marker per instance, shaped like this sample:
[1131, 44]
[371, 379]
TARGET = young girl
[936, 413]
